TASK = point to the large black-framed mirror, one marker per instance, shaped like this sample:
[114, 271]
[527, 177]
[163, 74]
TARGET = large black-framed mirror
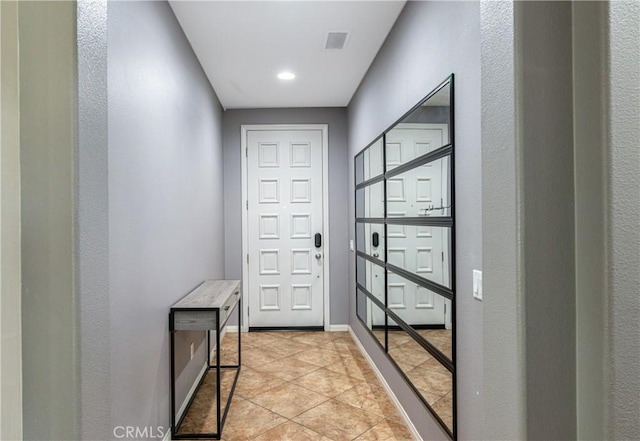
[405, 249]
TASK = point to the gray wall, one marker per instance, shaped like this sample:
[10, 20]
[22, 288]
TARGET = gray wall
[339, 163]
[47, 137]
[528, 221]
[529, 247]
[503, 335]
[623, 220]
[429, 41]
[589, 28]
[165, 192]
[568, 309]
[545, 138]
[92, 233]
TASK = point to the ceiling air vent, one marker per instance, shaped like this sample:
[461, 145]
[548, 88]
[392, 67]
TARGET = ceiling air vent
[336, 40]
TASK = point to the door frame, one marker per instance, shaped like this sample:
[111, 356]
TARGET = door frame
[324, 128]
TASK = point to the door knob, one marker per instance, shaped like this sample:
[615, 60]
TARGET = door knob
[376, 255]
[318, 255]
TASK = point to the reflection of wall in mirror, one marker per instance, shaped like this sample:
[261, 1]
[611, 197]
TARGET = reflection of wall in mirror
[429, 114]
[373, 160]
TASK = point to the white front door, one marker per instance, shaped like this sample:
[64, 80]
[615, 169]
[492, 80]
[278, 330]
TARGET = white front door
[417, 249]
[284, 215]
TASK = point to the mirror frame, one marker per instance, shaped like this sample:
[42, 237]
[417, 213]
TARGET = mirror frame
[441, 221]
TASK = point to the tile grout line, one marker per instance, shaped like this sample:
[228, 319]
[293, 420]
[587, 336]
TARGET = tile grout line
[381, 417]
[344, 357]
[287, 418]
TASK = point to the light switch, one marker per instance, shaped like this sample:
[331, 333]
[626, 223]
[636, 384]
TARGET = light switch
[351, 245]
[477, 284]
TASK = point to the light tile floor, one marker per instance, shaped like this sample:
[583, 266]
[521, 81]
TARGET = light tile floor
[298, 386]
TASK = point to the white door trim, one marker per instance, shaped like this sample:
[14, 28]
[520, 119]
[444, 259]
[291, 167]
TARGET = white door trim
[324, 128]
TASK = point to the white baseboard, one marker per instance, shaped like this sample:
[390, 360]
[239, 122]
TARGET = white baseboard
[224, 331]
[386, 387]
[332, 328]
[183, 407]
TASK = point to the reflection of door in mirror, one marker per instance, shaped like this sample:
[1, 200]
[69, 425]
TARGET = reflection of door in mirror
[427, 193]
[407, 141]
[375, 280]
[421, 249]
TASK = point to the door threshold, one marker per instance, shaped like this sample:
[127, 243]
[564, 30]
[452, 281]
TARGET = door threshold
[286, 328]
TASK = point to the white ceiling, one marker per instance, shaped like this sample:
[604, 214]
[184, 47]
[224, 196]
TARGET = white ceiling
[243, 45]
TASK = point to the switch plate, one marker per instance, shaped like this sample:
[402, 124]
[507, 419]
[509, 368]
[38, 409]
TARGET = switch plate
[477, 284]
[351, 245]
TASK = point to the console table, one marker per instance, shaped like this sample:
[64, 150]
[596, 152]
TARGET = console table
[206, 308]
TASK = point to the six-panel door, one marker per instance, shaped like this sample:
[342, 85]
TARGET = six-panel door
[284, 170]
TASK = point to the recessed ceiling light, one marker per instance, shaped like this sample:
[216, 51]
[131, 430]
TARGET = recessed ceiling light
[286, 75]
